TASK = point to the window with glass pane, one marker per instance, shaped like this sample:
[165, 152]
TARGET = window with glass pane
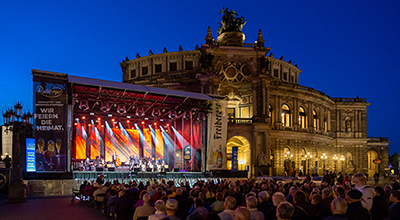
[302, 118]
[285, 115]
[315, 116]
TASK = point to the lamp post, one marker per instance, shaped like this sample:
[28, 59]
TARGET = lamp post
[323, 158]
[335, 158]
[308, 157]
[19, 125]
[342, 160]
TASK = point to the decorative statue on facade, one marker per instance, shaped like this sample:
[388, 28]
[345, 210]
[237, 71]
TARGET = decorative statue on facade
[262, 159]
[229, 21]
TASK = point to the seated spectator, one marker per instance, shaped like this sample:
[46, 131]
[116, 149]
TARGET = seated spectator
[277, 198]
[299, 200]
[111, 203]
[171, 208]
[160, 211]
[124, 206]
[200, 213]
[394, 210]
[145, 210]
[218, 206]
[229, 212]
[355, 209]
[338, 208]
[263, 204]
[242, 213]
[251, 203]
[379, 208]
[284, 211]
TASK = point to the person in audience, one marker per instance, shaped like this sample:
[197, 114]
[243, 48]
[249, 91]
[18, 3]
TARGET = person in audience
[284, 211]
[251, 203]
[368, 193]
[229, 211]
[160, 211]
[338, 208]
[145, 210]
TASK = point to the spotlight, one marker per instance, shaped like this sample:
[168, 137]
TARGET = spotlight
[142, 122]
[98, 119]
[167, 124]
[140, 111]
[105, 107]
[155, 123]
[121, 109]
[187, 114]
[172, 114]
[102, 126]
[83, 117]
[127, 121]
[84, 105]
[90, 125]
[156, 112]
[112, 120]
[75, 123]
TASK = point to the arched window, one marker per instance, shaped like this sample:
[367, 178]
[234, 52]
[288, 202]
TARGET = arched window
[285, 115]
[315, 119]
[302, 118]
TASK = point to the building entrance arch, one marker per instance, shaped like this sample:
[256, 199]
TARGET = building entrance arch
[244, 154]
[372, 167]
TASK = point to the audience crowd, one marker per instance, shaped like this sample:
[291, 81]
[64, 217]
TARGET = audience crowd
[246, 199]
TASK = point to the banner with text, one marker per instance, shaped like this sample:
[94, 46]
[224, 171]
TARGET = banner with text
[50, 123]
[217, 132]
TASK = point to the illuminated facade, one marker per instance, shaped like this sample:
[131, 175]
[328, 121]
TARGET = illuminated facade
[278, 125]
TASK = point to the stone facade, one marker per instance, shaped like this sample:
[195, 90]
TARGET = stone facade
[267, 107]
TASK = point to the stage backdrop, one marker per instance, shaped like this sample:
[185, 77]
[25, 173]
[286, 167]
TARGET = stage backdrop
[50, 98]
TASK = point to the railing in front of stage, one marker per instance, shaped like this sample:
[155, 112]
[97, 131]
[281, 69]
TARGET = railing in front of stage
[87, 175]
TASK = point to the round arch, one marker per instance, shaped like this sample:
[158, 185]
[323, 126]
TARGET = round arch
[244, 153]
[372, 167]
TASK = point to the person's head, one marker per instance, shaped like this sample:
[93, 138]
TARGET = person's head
[394, 196]
[353, 196]
[198, 203]
[379, 190]
[159, 190]
[159, 205]
[179, 191]
[230, 202]
[300, 198]
[251, 202]
[339, 206]
[359, 179]
[263, 196]
[173, 188]
[220, 197]
[284, 210]
[277, 198]
[316, 199]
[121, 193]
[171, 207]
[241, 213]
[327, 192]
[293, 189]
[113, 192]
[340, 191]
[146, 198]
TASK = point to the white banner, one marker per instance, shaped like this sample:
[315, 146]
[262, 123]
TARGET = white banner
[217, 132]
[6, 141]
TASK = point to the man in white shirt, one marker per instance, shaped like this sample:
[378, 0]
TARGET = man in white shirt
[360, 182]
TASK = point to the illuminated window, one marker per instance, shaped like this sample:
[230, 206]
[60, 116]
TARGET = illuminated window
[285, 115]
[188, 65]
[133, 73]
[302, 118]
[158, 68]
[231, 113]
[326, 123]
[173, 66]
[316, 121]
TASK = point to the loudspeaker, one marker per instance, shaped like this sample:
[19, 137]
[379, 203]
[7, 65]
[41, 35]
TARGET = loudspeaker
[136, 169]
[99, 169]
[166, 169]
[176, 169]
[149, 170]
[111, 169]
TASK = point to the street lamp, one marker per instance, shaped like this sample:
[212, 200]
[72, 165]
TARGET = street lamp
[335, 158]
[342, 160]
[20, 125]
[308, 157]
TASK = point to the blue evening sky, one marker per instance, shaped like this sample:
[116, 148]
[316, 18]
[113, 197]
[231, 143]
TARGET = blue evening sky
[344, 48]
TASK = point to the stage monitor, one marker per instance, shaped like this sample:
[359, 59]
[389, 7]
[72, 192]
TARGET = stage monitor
[136, 169]
[149, 170]
[176, 169]
[111, 169]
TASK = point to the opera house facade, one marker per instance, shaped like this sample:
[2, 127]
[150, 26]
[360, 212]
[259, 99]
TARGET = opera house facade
[274, 125]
